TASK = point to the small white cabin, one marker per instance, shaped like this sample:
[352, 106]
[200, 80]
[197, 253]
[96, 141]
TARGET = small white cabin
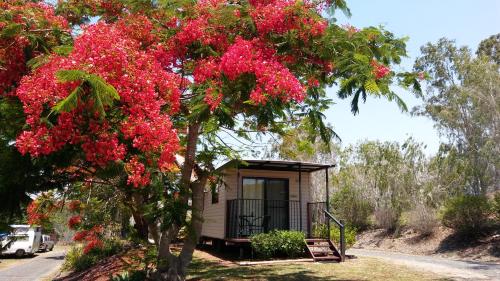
[23, 240]
[257, 196]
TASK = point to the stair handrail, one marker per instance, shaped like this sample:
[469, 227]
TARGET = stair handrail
[341, 225]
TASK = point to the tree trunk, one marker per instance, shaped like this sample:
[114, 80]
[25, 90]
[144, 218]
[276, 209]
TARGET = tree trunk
[171, 267]
[141, 224]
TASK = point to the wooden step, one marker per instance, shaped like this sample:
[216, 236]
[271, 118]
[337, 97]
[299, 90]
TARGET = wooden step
[316, 240]
[327, 258]
[322, 250]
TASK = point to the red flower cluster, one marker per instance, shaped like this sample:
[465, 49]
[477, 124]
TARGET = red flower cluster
[30, 16]
[74, 221]
[35, 214]
[137, 173]
[74, 205]
[145, 89]
[273, 79]
[281, 16]
[213, 98]
[92, 238]
[379, 70]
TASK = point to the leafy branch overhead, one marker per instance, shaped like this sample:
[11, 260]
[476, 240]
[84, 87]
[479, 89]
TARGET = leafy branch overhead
[101, 93]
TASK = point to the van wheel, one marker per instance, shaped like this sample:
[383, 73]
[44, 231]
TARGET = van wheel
[20, 253]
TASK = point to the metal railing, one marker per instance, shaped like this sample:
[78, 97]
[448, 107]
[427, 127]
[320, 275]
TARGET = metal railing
[246, 217]
[319, 225]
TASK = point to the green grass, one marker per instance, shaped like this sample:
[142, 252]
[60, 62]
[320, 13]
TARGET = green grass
[356, 269]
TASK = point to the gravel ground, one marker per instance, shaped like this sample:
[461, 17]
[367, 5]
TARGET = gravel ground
[35, 268]
[458, 270]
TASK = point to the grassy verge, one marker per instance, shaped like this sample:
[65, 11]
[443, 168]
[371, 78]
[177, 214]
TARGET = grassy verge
[357, 269]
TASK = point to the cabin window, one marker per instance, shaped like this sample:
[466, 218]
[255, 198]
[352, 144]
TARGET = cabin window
[215, 193]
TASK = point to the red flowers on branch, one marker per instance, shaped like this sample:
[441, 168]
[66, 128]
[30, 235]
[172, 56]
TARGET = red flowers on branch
[113, 53]
[91, 237]
[26, 17]
[379, 70]
[74, 221]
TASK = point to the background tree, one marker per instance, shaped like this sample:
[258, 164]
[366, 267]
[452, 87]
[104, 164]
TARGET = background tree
[463, 101]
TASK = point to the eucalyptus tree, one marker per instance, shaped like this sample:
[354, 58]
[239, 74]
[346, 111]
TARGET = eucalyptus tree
[463, 100]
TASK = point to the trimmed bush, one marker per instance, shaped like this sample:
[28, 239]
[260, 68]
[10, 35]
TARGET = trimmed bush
[466, 214]
[278, 243]
[423, 219]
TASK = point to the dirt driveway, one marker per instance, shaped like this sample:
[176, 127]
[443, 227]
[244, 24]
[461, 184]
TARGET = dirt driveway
[32, 269]
[458, 270]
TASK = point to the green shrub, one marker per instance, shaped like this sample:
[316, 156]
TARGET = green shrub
[278, 243]
[466, 214]
[291, 243]
[351, 207]
[78, 261]
[350, 234]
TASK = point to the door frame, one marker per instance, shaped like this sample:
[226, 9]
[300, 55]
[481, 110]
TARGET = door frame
[286, 180]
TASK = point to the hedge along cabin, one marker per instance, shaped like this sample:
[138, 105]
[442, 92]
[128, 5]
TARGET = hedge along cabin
[258, 196]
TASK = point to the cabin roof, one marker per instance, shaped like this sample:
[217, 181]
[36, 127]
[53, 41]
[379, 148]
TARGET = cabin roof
[275, 165]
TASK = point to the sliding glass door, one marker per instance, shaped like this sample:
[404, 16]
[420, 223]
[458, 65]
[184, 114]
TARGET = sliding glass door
[264, 205]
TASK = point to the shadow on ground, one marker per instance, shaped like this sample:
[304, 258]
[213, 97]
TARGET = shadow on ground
[14, 257]
[205, 270]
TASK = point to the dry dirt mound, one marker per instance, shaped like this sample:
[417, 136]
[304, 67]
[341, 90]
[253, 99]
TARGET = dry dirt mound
[106, 268]
[442, 243]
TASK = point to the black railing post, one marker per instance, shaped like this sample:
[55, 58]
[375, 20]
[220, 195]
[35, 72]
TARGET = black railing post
[300, 197]
[342, 240]
[327, 202]
[309, 219]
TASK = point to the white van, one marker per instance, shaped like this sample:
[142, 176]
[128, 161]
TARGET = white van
[23, 240]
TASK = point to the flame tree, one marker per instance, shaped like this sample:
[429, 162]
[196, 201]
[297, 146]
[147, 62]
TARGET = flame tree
[148, 80]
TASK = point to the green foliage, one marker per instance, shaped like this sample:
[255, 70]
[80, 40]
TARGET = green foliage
[101, 92]
[351, 207]
[466, 214]
[496, 206]
[279, 243]
[462, 99]
[349, 232]
[490, 47]
[19, 174]
[78, 261]
[350, 235]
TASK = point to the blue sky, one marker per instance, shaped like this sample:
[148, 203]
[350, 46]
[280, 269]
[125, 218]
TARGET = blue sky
[468, 22]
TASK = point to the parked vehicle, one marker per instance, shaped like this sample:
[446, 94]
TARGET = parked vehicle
[47, 243]
[23, 240]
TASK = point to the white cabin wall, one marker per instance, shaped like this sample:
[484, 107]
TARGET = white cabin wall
[215, 214]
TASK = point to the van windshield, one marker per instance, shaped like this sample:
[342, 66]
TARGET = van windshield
[18, 230]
